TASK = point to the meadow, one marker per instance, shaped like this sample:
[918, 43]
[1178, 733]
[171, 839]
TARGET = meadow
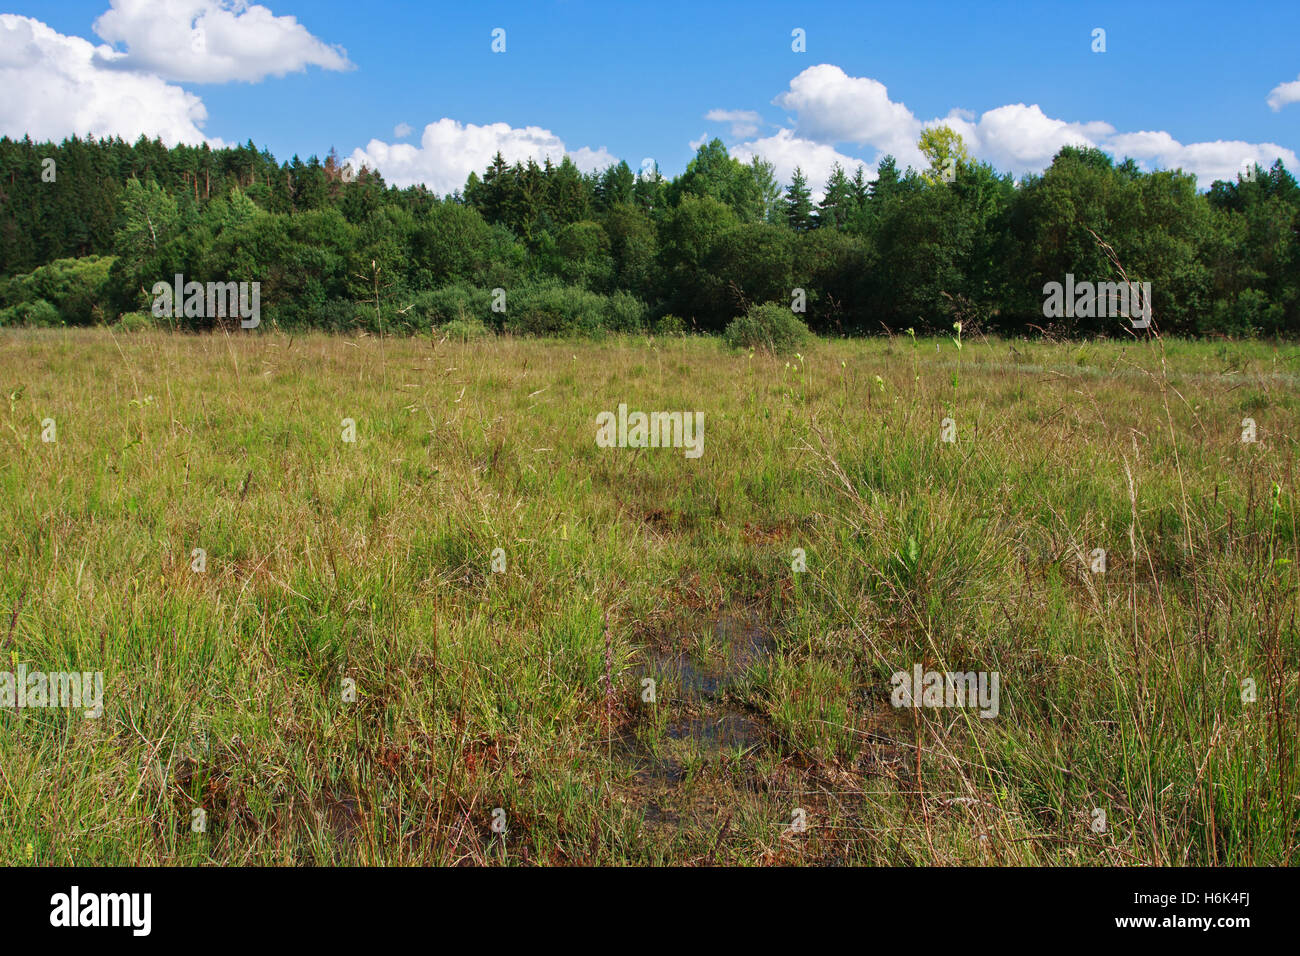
[473, 636]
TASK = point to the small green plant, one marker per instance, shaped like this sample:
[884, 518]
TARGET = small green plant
[956, 340]
[907, 559]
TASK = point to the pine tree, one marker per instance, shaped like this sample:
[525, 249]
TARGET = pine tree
[614, 186]
[568, 193]
[836, 206]
[495, 190]
[530, 197]
[886, 182]
[798, 203]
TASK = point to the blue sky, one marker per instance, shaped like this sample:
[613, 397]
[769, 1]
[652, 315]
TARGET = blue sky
[606, 80]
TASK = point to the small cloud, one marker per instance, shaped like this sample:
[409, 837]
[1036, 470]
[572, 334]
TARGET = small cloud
[592, 160]
[1284, 93]
[697, 143]
[744, 123]
[402, 130]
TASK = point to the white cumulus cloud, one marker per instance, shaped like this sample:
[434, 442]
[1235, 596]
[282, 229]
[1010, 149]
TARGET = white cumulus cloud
[785, 151]
[833, 107]
[57, 88]
[449, 151]
[1023, 138]
[211, 41]
[830, 107]
[1221, 159]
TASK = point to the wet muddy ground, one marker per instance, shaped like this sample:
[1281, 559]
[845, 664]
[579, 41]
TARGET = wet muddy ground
[685, 752]
[702, 757]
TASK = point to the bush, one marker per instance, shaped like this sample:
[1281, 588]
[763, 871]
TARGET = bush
[770, 326]
[670, 325]
[625, 313]
[1247, 313]
[545, 307]
[39, 312]
[77, 290]
[137, 321]
[337, 315]
[465, 330]
[553, 309]
[452, 303]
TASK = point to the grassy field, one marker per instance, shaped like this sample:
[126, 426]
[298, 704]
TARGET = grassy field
[517, 698]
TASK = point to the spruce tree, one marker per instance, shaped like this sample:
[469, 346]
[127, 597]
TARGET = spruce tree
[798, 203]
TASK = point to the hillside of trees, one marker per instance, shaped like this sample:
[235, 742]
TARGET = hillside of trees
[581, 253]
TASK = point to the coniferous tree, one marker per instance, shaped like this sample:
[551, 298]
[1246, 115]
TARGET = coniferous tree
[837, 205]
[798, 203]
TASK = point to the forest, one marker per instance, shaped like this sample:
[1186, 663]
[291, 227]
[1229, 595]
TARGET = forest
[88, 226]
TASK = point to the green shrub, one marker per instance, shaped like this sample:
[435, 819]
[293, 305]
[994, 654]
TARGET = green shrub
[465, 330]
[39, 312]
[457, 302]
[625, 313]
[548, 308]
[77, 290]
[137, 321]
[1249, 312]
[337, 315]
[670, 325]
[770, 326]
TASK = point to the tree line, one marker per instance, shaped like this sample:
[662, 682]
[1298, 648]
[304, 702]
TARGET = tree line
[84, 238]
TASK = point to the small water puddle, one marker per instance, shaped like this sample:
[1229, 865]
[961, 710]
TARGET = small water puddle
[704, 666]
[698, 723]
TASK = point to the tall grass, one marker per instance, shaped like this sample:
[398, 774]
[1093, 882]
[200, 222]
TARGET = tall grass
[1121, 692]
